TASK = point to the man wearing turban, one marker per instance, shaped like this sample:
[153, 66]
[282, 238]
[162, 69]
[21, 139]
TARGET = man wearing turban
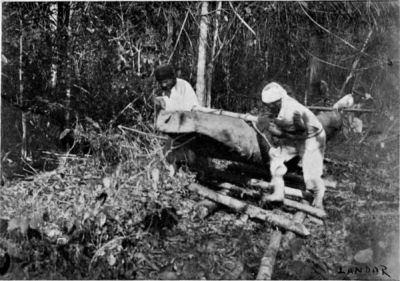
[302, 135]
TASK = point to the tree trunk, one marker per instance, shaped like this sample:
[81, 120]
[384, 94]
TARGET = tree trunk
[313, 66]
[64, 62]
[210, 69]
[202, 57]
[21, 91]
[252, 211]
[170, 31]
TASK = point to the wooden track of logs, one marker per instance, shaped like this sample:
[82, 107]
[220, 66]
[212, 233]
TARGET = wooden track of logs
[251, 210]
[244, 187]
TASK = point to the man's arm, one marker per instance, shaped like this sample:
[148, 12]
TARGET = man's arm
[160, 102]
[299, 122]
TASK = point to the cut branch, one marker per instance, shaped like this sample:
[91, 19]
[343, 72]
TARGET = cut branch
[268, 259]
[252, 211]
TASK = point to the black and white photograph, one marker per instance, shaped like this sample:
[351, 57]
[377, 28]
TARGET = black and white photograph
[200, 140]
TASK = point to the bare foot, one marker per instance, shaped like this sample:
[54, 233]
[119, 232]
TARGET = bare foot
[274, 197]
[317, 203]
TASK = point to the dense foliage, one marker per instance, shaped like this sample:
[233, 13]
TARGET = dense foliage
[105, 53]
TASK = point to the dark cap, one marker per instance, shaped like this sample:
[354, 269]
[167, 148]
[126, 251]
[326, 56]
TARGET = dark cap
[164, 72]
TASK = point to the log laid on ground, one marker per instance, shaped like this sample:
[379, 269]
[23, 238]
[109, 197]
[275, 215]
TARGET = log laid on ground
[236, 189]
[268, 259]
[226, 187]
[252, 211]
[264, 185]
[319, 213]
[288, 190]
[244, 180]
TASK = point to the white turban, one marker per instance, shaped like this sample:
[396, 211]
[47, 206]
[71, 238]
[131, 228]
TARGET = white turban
[273, 92]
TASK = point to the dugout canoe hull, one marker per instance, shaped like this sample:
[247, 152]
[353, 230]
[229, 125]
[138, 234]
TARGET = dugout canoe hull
[214, 136]
[225, 137]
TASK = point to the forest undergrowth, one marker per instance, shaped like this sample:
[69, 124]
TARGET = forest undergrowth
[120, 214]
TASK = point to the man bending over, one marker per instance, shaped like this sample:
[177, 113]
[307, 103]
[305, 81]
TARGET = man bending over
[302, 134]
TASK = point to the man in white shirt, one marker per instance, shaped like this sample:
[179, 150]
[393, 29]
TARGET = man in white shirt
[303, 135]
[178, 94]
[353, 100]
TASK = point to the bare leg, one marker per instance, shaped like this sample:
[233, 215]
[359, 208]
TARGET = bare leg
[319, 190]
[312, 171]
[278, 169]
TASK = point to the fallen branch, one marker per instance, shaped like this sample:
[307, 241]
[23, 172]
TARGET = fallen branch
[268, 259]
[252, 211]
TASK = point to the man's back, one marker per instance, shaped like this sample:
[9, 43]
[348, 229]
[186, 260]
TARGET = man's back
[291, 107]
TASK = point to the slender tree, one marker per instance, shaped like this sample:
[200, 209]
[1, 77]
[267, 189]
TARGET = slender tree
[314, 65]
[202, 56]
[24, 153]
